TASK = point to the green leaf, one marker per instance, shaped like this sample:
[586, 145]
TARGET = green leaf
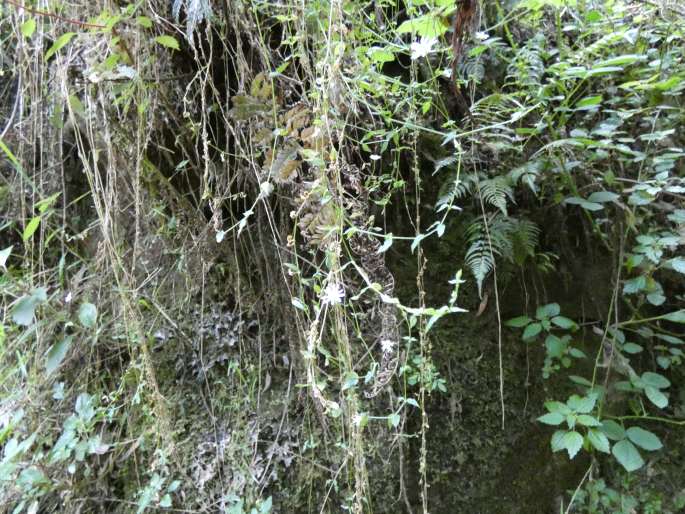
[87, 315]
[676, 316]
[165, 501]
[588, 206]
[627, 455]
[559, 407]
[24, 310]
[351, 379]
[552, 418]
[387, 243]
[59, 43]
[168, 41]
[588, 421]
[603, 197]
[547, 311]
[632, 348]
[56, 354]
[393, 420]
[555, 346]
[678, 264]
[28, 28]
[380, 55]
[588, 103]
[558, 440]
[531, 331]
[655, 380]
[656, 397]
[598, 440]
[30, 228]
[580, 380]
[519, 322]
[427, 26]
[582, 405]
[4, 255]
[573, 442]
[621, 60]
[144, 22]
[563, 322]
[644, 439]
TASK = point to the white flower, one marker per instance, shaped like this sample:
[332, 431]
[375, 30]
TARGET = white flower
[68, 297]
[482, 35]
[374, 157]
[423, 47]
[265, 189]
[333, 294]
[387, 345]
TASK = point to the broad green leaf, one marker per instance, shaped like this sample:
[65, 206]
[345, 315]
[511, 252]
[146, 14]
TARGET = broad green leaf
[655, 380]
[621, 60]
[580, 380]
[558, 440]
[56, 354]
[588, 421]
[393, 420]
[28, 28]
[676, 316]
[582, 405]
[59, 43]
[627, 455]
[547, 311]
[573, 442]
[24, 311]
[644, 439]
[531, 331]
[603, 197]
[589, 102]
[519, 322]
[380, 55]
[559, 407]
[632, 348]
[351, 379]
[656, 397]
[30, 228]
[563, 322]
[588, 206]
[598, 440]
[87, 315]
[552, 418]
[4, 255]
[678, 264]
[144, 22]
[168, 41]
[427, 26]
[555, 346]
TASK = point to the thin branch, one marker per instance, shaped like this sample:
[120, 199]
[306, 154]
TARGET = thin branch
[53, 15]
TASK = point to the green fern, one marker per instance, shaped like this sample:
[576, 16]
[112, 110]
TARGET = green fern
[509, 238]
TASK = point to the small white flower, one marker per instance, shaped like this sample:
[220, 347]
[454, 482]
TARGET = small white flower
[447, 73]
[333, 294]
[265, 189]
[374, 157]
[220, 235]
[482, 36]
[423, 47]
[68, 297]
[387, 345]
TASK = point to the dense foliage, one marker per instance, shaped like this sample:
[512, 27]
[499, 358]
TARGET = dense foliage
[333, 256]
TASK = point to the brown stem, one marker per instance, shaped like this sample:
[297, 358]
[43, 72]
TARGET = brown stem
[53, 15]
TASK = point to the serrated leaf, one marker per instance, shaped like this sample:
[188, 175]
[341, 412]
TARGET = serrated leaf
[519, 322]
[588, 421]
[531, 331]
[573, 442]
[56, 354]
[598, 440]
[627, 455]
[582, 405]
[547, 311]
[552, 418]
[168, 41]
[563, 322]
[87, 315]
[644, 439]
[557, 441]
[59, 43]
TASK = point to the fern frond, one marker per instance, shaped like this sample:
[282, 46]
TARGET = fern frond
[496, 192]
